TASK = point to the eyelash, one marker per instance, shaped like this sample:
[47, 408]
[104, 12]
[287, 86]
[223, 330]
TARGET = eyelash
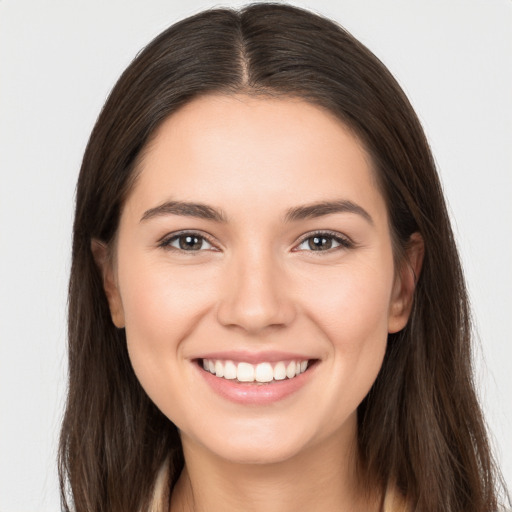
[343, 241]
[166, 242]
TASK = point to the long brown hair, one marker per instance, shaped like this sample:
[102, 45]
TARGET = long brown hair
[420, 426]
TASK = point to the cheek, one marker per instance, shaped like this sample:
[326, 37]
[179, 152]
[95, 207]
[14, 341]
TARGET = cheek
[351, 303]
[158, 299]
[352, 311]
[162, 306]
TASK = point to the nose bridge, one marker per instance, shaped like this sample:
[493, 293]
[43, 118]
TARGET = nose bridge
[254, 295]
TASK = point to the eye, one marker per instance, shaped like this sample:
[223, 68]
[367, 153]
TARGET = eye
[187, 241]
[322, 242]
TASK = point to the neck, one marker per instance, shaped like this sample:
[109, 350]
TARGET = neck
[323, 478]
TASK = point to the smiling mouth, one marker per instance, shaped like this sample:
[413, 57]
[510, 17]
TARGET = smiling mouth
[261, 373]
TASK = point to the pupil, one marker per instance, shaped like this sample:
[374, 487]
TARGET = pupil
[190, 242]
[320, 242]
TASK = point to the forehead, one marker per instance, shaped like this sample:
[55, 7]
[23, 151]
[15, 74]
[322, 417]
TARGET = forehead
[219, 148]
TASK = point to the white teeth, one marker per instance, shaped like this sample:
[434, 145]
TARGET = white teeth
[262, 372]
[290, 370]
[280, 371]
[245, 372]
[229, 370]
[219, 369]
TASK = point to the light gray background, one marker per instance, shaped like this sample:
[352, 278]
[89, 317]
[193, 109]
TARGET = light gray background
[58, 61]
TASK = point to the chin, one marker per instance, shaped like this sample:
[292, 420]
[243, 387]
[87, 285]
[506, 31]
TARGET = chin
[258, 454]
[256, 443]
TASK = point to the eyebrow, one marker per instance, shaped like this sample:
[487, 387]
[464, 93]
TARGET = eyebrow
[309, 211]
[322, 208]
[199, 210]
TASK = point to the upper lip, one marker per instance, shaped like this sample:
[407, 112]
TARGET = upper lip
[254, 357]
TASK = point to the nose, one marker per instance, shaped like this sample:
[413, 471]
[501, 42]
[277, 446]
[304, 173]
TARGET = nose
[255, 297]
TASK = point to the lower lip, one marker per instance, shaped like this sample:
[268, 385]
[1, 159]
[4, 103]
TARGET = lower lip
[253, 393]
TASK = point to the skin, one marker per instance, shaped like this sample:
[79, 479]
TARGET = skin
[256, 285]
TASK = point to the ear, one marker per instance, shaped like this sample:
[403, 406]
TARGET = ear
[100, 253]
[405, 283]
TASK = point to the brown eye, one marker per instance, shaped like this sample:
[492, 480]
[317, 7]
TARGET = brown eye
[322, 242]
[189, 242]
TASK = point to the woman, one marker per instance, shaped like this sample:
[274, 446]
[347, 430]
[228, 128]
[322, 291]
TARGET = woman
[267, 308]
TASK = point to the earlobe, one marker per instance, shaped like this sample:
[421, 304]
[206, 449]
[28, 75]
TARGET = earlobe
[100, 253]
[405, 284]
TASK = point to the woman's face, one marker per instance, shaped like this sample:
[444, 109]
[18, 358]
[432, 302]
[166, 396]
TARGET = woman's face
[255, 244]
